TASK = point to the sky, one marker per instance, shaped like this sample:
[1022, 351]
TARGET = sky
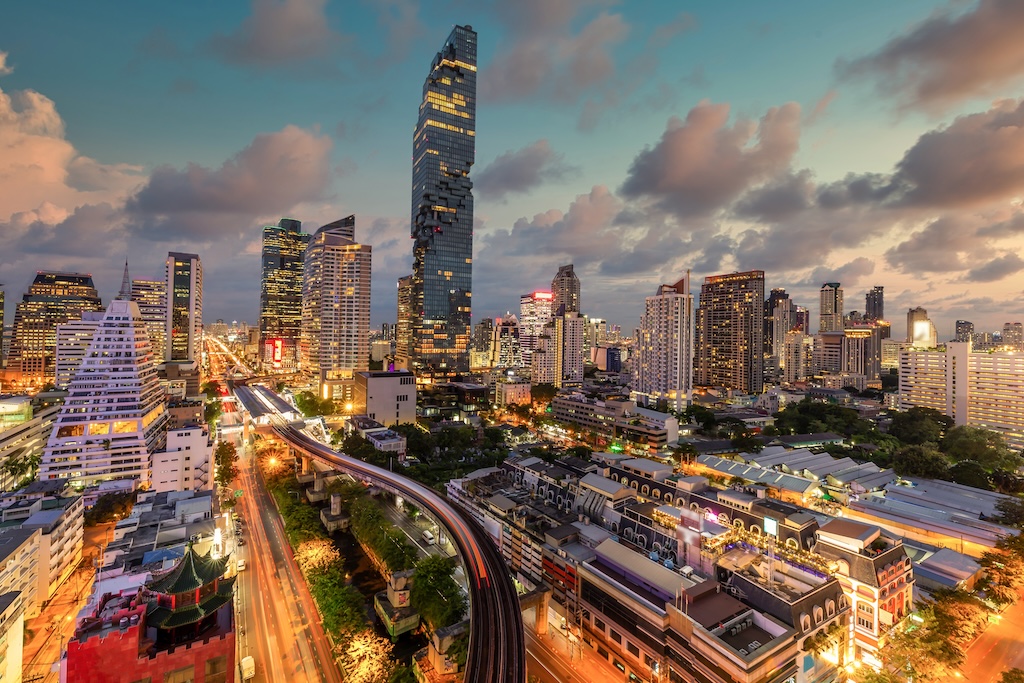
[870, 143]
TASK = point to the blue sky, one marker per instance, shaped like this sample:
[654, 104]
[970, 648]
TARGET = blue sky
[874, 142]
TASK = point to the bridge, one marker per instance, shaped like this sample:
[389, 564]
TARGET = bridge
[497, 643]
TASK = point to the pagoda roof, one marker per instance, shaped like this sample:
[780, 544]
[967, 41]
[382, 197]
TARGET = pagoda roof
[192, 572]
[167, 618]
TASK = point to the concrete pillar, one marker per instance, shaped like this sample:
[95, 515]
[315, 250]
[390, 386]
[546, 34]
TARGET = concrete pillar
[318, 484]
[304, 464]
[540, 624]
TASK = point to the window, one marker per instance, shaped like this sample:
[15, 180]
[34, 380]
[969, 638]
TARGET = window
[599, 625]
[632, 649]
[217, 670]
[614, 635]
[865, 623]
[185, 674]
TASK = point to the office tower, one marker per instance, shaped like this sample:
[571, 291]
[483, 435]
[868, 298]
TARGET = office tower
[802, 320]
[784, 320]
[874, 304]
[483, 338]
[3, 350]
[73, 339]
[978, 389]
[184, 331]
[568, 340]
[403, 326]
[505, 347]
[534, 314]
[113, 419]
[828, 357]
[863, 351]
[795, 354]
[336, 308]
[151, 298]
[730, 332]
[663, 369]
[1013, 336]
[52, 299]
[542, 362]
[776, 296]
[566, 289]
[595, 331]
[914, 315]
[442, 210]
[5, 344]
[964, 330]
[281, 292]
[924, 335]
[831, 308]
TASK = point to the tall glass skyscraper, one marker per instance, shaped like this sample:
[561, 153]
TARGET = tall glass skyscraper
[281, 290]
[444, 148]
[184, 331]
[730, 332]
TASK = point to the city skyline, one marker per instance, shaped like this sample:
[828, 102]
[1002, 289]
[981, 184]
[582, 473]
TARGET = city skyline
[723, 148]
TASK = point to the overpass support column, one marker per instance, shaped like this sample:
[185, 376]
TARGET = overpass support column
[540, 624]
[304, 464]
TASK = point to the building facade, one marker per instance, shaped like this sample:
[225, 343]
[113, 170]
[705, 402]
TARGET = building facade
[53, 298]
[184, 331]
[830, 308]
[73, 339]
[336, 308]
[151, 297]
[663, 368]
[387, 397]
[874, 303]
[444, 149]
[281, 291]
[566, 290]
[535, 311]
[730, 332]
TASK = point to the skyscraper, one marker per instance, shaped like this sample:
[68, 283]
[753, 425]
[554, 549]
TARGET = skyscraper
[663, 370]
[444, 147]
[874, 306]
[914, 316]
[403, 325]
[777, 295]
[568, 339]
[184, 274]
[1013, 336]
[73, 339]
[281, 291]
[964, 330]
[831, 308]
[566, 289]
[534, 314]
[730, 332]
[151, 298]
[113, 419]
[336, 308]
[53, 298]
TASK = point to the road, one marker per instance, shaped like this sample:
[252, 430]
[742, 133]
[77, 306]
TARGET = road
[497, 647]
[282, 628]
[999, 648]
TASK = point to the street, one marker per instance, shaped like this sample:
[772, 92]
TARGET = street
[282, 629]
[552, 659]
[1001, 647]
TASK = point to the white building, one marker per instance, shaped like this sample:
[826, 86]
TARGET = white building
[61, 522]
[73, 339]
[186, 464]
[512, 391]
[387, 397]
[663, 368]
[24, 439]
[542, 360]
[797, 349]
[978, 389]
[534, 315]
[19, 567]
[335, 341]
[568, 350]
[12, 636]
[114, 418]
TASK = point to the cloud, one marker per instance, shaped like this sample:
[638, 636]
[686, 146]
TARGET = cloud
[5, 68]
[936, 248]
[701, 164]
[949, 58]
[543, 56]
[275, 172]
[820, 107]
[403, 27]
[666, 32]
[521, 170]
[279, 32]
[996, 269]
[849, 274]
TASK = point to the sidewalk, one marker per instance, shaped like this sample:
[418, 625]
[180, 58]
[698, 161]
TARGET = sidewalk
[579, 656]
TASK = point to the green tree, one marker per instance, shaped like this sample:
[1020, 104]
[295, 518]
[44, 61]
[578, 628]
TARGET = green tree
[211, 388]
[435, 594]
[919, 650]
[110, 507]
[543, 393]
[983, 446]
[343, 608]
[1013, 675]
[1004, 570]
[747, 443]
[970, 473]
[1011, 512]
[698, 414]
[919, 425]
[920, 461]
[226, 459]
[960, 616]
[685, 453]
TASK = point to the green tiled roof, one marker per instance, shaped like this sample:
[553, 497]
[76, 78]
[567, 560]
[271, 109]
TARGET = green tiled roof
[192, 571]
[166, 618]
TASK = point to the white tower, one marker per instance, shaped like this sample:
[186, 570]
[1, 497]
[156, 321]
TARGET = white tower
[664, 365]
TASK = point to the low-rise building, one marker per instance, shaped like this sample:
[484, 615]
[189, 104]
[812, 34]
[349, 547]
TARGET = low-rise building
[61, 523]
[22, 436]
[186, 464]
[12, 636]
[20, 568]
[387, 397]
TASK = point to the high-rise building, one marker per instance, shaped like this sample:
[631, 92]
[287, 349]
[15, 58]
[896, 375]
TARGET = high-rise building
[403, 326]
[444, 148]
[964, 330]
[776, 296]
[568, 339]
[73, 340]
[1013, 336]
[534, 315]
[3, 351]
[831, 308]
[915, 315]
[151, 297]
[566, 290]
[114, 418]
[663, 369]
[336, 308]
[281, 291]
[505, 347]
[978, 389]
[483, 338]
[784, 320]
[828, 354]
[874, 304]
[863, 351]
[184, 332]
[52, 299]
[796, 354]
[730, 332]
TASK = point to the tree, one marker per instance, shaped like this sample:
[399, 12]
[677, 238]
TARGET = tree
[1011, 512]
[685, 452]
[747, 443]
[543, 393]
[110, 507]
[211, 388]
[970, 473]
[1004, 569]
[1013, 675]
[919, 425]
[226, 460]
[700, 415]
[960, 616]
[435, 594]
[919, 650]
[920, 461]
[983, 446]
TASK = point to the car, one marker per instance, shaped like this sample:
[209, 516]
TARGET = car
[240, 566]
[241, 541]
[428, 537]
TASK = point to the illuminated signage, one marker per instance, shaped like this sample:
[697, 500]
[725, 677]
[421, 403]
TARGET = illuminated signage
[771, 527]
